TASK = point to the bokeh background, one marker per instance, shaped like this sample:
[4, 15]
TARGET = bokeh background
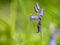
[16, 27]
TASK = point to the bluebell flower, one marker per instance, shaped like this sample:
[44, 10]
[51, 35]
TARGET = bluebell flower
[36, 7]
[57, 31]
[39, 25]
[41, 12]
[52, 40]
[34, 17]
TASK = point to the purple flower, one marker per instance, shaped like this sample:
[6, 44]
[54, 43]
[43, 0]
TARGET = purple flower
[39, 25]
[52, 40]
[41, 12]
[36, 7]
[57, 31]
[34, 17]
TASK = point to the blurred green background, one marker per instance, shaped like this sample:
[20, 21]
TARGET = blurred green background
[16, 27]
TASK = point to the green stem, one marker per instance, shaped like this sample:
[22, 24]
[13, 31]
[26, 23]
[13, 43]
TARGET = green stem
[13, 16]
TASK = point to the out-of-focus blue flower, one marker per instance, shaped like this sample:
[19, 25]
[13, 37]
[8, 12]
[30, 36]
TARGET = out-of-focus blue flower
[52, 40]
[57, 31]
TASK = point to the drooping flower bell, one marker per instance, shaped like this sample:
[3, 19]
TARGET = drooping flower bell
[39, 26]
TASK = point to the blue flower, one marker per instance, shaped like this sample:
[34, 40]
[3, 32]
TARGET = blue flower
[34, 17]
[52, 40]
[39, 25]
[57, 31]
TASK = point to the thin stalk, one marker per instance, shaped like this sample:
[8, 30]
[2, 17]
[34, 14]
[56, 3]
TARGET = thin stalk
[13, 16]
